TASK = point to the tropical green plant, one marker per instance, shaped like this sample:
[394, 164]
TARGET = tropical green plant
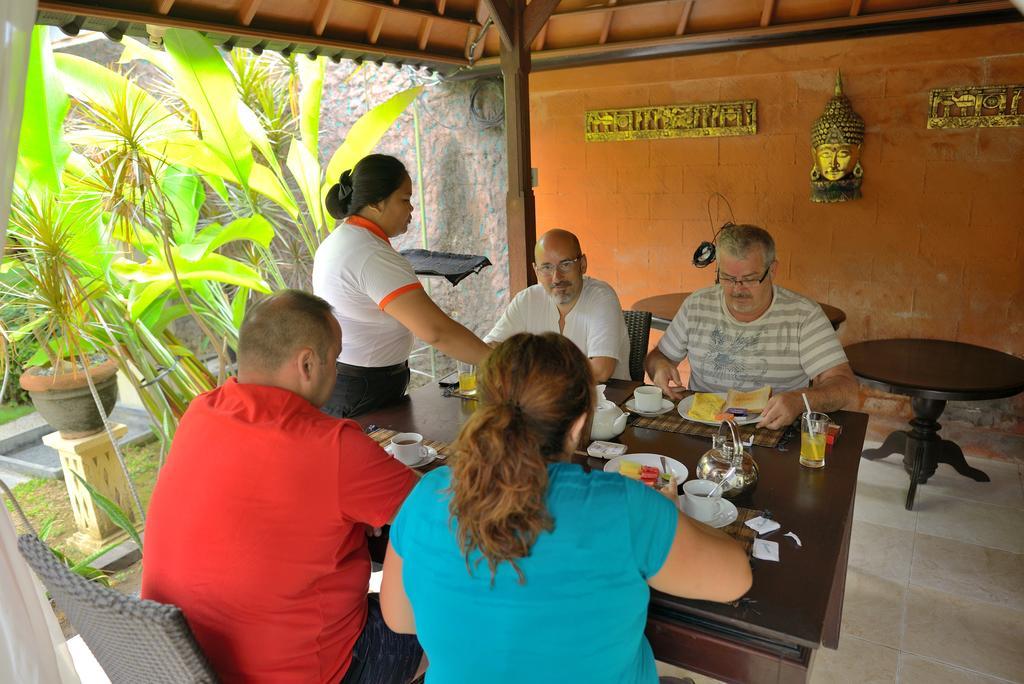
[136, 211]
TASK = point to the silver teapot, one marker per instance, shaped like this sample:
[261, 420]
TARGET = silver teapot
[723, 455]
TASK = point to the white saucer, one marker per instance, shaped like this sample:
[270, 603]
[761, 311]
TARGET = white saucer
[429, 454]
[726, 514]
[684, 410]
[666, 406]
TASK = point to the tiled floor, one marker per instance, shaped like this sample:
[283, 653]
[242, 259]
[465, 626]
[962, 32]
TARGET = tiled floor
[936, 594]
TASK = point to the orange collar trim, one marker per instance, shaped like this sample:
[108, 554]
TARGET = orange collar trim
[369, 225]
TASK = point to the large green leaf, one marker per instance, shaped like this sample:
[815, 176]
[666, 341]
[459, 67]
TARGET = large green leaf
[205, 83]
[257, 133]
[196, 154]
[42, 150]
[367, 131]
[134, 50]
[255, 228]
[311, 77]
[306, 171]
[185, 195]
[88, 81]
[238, 306]
[113, 511]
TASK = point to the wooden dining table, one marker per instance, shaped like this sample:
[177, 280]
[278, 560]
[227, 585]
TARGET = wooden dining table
[664, 307]
[794, 606]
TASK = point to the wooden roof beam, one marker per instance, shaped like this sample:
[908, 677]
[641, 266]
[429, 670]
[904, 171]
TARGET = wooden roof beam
[537, 14]
[413, 11]
[501, 14]
[767, 11]
[246, 11]
[320, 16]
[373, 33]
[162, 6]
[264, 36]
[423, 36]
[606, 29]
[684, 17]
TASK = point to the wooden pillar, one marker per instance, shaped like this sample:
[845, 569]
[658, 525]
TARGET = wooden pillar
[518, 25]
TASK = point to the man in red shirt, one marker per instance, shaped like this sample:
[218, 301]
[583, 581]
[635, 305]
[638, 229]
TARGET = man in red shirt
[257, 525]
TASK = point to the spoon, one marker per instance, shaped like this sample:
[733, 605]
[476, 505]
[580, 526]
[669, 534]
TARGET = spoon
[728, 474]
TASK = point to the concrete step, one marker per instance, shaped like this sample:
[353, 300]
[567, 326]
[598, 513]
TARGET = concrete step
[25, 454]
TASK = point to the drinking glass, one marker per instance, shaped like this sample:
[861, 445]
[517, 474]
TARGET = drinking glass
[813, 431]
[467, 378]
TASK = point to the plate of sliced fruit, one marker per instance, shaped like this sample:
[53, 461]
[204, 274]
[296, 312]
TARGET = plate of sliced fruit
[645, 467]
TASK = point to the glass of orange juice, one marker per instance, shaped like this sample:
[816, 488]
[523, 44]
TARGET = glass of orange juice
[467, 378]
[813, 431]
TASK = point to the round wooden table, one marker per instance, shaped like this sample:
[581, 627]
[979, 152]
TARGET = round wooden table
[664, 308]
[933, 372]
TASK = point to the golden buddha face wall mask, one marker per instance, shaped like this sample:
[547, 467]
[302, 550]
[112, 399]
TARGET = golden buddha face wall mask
[836, 139]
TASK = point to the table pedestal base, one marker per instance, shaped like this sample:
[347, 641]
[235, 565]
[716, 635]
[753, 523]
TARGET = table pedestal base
[923, 449]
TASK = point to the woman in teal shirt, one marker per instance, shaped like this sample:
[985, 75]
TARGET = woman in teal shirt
[514, 565]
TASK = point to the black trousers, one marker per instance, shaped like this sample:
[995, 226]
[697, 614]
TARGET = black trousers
[359, 389]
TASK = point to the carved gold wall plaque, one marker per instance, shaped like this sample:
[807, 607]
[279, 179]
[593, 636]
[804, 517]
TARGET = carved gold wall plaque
[977, 107]
[701, 120]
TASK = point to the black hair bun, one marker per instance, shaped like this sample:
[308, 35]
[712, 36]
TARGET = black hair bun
[339, 197]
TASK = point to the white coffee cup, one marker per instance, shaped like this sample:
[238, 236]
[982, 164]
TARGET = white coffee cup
[647, 399]
[698, 504]
[407, 447]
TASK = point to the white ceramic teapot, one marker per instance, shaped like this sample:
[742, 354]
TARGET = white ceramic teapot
[609, 420]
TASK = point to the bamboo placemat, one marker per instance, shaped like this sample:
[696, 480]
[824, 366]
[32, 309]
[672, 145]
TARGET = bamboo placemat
[740, 532]
[383, 437]
[673, 422]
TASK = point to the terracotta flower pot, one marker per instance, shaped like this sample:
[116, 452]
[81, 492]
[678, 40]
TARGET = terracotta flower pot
[64, 400]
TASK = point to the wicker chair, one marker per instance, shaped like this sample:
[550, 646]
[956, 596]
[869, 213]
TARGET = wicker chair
[134, 640]
[638, 324]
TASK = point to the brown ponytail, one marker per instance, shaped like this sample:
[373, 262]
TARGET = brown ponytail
[532, 388]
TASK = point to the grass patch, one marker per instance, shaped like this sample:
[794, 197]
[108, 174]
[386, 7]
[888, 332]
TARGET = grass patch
[43, 499]
[11, 412]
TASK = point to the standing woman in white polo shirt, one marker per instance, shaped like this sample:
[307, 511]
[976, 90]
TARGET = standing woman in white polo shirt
[377, 298]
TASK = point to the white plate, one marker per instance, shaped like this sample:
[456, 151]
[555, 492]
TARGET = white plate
[666, 406]
[726, 514]
[687, 402]
[429, 454]
[677, 468]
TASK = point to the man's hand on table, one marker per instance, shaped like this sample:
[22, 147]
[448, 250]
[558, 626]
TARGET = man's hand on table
[663, 374]
[781, 410]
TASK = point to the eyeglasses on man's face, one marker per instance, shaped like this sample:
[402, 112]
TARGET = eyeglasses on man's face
[563, 266]
[728, 280]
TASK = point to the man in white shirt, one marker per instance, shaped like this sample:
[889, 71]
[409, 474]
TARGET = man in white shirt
[585, 310]
[745, 332]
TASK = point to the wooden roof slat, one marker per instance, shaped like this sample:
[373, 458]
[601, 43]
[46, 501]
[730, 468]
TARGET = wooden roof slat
[247, 10]
[423, 37]
[501, 13]
[606, 29]
[162, 6]
[538, 43]
[816, 30]
[320, 16]
[373, 33]
[395, 7]
[536, 16]
[611, 7]
[262, 35]
[766, 13]
[684, 17]
[855, 8]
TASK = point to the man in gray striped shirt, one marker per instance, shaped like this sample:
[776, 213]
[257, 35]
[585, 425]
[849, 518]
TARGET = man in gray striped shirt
[746, 332]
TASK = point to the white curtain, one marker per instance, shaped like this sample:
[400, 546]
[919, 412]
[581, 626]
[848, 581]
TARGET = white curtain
[32, 650]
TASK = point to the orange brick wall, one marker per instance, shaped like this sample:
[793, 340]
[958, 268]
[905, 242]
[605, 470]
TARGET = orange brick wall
[935, 248]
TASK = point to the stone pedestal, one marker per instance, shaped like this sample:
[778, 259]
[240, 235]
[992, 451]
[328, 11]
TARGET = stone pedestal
[93, 458]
